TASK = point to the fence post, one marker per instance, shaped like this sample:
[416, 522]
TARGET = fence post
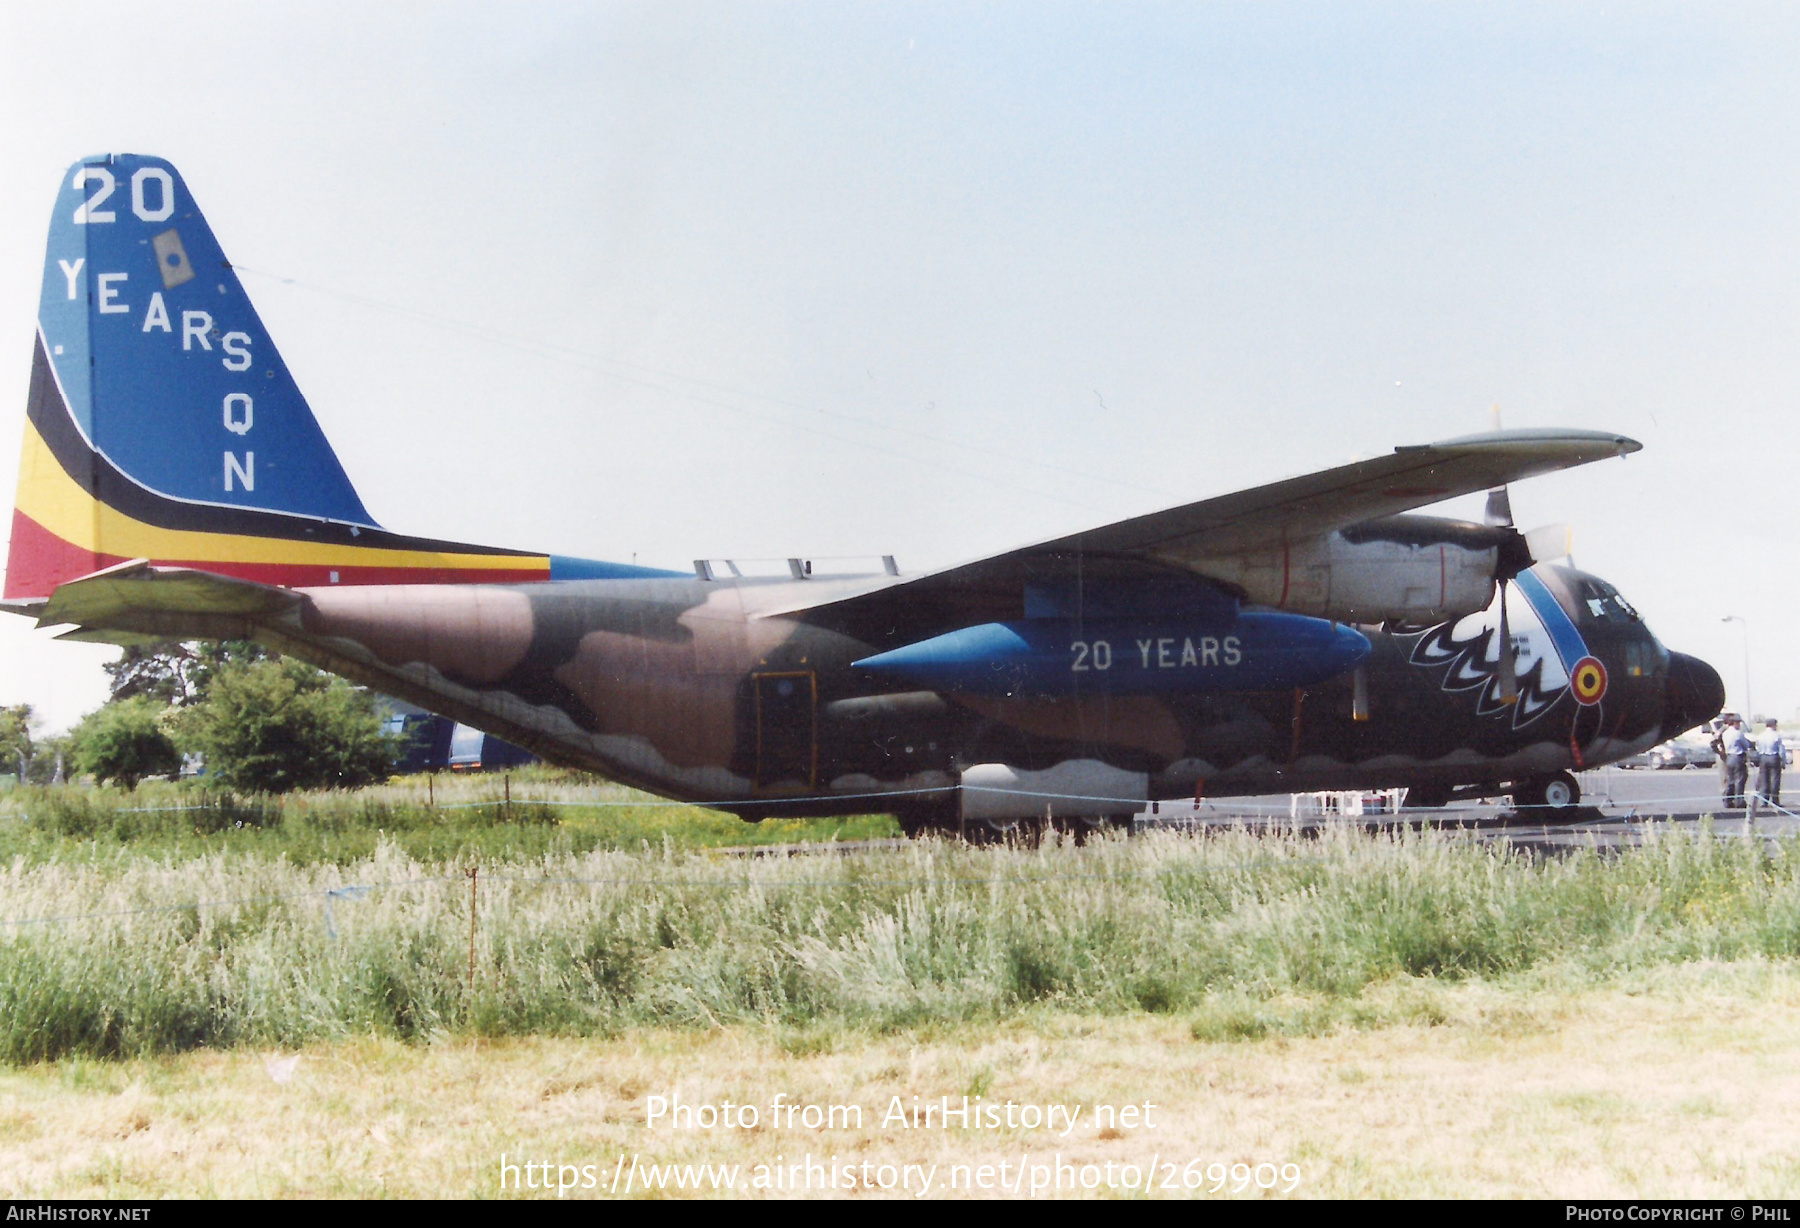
[473, 873]
[430, 791]
[508, 782]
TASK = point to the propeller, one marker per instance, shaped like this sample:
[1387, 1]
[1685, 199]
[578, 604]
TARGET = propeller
[1518, 551]
[1499, 514]
[1549, 541]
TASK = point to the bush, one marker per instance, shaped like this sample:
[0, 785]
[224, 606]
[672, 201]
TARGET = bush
[276, 726]
[124, 742]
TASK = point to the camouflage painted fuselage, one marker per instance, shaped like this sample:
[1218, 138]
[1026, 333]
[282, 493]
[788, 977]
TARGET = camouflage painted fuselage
[684, 688]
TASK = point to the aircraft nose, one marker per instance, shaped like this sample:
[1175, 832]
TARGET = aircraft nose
[1693, 695]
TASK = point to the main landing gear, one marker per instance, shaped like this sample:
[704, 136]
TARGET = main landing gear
[945, 821]
[1032, 831]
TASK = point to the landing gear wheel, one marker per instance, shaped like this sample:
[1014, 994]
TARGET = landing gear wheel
[1562, 791]
[1547, 794]
[1004, 831]
[922, 821]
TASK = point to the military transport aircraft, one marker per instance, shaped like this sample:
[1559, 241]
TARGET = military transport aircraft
[1304, 635]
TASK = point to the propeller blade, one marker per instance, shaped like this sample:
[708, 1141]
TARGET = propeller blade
[1499, 508]
[1509, 672]
[1550, 541]
[1540, 545]
[1499, 502]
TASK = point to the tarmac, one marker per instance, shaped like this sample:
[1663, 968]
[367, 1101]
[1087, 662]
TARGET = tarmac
[1617, 805]
[1618, 808]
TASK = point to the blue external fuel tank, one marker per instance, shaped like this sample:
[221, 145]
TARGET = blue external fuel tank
[1054, 657]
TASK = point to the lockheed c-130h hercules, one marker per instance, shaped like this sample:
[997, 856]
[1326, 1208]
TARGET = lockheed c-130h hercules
[1310, 634]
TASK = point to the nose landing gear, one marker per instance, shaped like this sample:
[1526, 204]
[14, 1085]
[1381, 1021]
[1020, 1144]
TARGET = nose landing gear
[1545, 795]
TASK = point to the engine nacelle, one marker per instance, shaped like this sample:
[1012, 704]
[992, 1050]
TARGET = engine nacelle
[1258, 650]
[1412, 569]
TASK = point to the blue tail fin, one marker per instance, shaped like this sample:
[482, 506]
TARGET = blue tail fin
[161, 424]
[164, 364]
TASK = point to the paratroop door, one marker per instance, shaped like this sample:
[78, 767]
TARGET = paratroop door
[786, 730]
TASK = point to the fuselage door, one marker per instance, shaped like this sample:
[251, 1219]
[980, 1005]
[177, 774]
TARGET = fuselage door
[786, 730]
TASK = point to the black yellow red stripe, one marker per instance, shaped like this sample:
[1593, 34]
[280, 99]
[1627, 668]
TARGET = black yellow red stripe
[76, 513]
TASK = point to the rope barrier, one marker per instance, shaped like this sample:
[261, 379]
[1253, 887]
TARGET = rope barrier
[356, 891]
[1212, 806]
[1141, 804]
[352, 891]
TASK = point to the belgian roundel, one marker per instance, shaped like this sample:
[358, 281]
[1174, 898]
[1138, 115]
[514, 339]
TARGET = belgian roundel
[1588, 681]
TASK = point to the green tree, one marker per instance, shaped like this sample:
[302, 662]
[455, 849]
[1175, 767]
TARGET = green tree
[52, 758]
[17, 749]
[275, 725]
[124, 742]
[174, 672]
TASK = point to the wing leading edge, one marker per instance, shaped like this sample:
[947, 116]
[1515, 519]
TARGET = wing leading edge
[1187, 538]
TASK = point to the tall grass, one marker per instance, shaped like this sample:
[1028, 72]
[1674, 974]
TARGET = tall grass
[164, 955]
[455, 817]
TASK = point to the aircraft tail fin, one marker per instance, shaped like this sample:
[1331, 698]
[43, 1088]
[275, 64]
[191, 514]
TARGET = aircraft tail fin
[163, 425]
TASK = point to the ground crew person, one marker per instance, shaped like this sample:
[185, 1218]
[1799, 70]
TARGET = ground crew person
[1735, 748]
[1718, 749]
[1772, 755]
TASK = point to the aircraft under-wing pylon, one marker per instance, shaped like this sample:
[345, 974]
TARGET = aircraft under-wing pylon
[1314, 633]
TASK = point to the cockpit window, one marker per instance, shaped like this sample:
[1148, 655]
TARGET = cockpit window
[1604, 601]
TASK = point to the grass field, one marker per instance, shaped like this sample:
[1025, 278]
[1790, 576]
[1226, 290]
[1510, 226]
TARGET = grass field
[1680, 1082]
[142, 952]
[451, 817]
[1417, 1012]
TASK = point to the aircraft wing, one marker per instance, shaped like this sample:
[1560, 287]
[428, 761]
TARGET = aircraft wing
[1186, 537]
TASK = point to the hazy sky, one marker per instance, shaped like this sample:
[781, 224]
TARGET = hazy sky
[678, 280]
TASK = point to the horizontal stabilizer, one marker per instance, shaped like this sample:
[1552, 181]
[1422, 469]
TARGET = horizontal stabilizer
[139, 603]
[166, 602]
[118, 639]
